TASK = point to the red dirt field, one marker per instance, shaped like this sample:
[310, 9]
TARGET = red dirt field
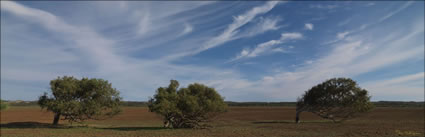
[238, 121]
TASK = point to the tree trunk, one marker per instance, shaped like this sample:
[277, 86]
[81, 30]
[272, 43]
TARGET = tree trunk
[167, 124]
[56, 119]
[297, 117]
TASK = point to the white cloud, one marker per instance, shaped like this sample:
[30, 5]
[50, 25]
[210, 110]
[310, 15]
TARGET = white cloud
[86, 53]
[308, 26]
[291, 36]
[269, 23]
[370, 4]
[399, 80]
[267, 46]
[344, 22]
[342, 35]
[353, 58]
[263, 47]
[309, 62]
[281, 50]
[145, 23]
[264, 25]
[87, 41]
[407, 4]
[230, 33]
[400, 86]
[238, 22]
[320, 6]
[187, 29]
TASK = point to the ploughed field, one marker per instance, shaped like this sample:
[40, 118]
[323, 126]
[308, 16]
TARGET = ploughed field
[238, 121]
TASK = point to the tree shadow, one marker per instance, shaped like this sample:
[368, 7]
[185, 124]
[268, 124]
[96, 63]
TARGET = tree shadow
[291, 122]
[31, 124]
[272, 122]
[133, 128]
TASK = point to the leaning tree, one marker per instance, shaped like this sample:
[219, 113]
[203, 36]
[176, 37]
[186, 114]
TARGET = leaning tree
[81, 99]
[189, 107]
[336, 99]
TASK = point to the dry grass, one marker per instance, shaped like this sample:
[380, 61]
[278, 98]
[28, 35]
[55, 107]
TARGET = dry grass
[238, 121]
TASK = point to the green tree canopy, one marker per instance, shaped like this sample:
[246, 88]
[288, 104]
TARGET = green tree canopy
[336, 99]
[78, 100]
[187, 107]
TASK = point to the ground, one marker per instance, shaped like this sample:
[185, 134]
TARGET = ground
[238, 121]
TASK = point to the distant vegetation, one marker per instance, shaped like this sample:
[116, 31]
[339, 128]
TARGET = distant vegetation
[3, 105]
[336, 99]
[187, 107]
[246, 104]
[78, 100]
[261, 104]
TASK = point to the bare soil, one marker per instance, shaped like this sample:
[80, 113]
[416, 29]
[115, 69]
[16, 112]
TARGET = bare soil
[238, 121]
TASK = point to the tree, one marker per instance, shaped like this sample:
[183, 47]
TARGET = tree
[78, 100]
[187, 107]
[3, 105]
[337, 99]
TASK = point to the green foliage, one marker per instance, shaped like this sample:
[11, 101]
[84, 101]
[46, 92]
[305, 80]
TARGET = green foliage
[336, 99]
[3, 105]
[78, 100]
[187, 107]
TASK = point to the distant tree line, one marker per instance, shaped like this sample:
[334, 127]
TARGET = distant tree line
[77, 100]
[3, 105]
[245, 104]
[261, 104]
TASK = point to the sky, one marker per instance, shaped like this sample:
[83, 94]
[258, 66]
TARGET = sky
[248, 51]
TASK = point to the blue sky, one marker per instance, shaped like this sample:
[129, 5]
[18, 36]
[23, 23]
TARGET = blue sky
[248, 51]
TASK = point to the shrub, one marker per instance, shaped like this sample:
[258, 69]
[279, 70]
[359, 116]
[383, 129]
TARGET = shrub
[189, 107]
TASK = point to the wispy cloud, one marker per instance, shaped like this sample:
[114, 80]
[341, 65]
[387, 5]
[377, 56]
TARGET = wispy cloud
[370, 4]
[239, 21]
[344, 22]
[353, 58]
[308, 26]
[279, 49]
[342, 35]
[187, 29]
[145, 23]
[94, 46]
[267, 46]
[320, 6]
[90, 55]
[402, 87]
[131, 51]
[398, 80]
[230, 33]
[405, 5]
[264, 25]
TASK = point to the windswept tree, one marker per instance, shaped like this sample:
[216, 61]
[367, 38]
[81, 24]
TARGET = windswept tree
[189, 107]
[337, 99]
[78, 100]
